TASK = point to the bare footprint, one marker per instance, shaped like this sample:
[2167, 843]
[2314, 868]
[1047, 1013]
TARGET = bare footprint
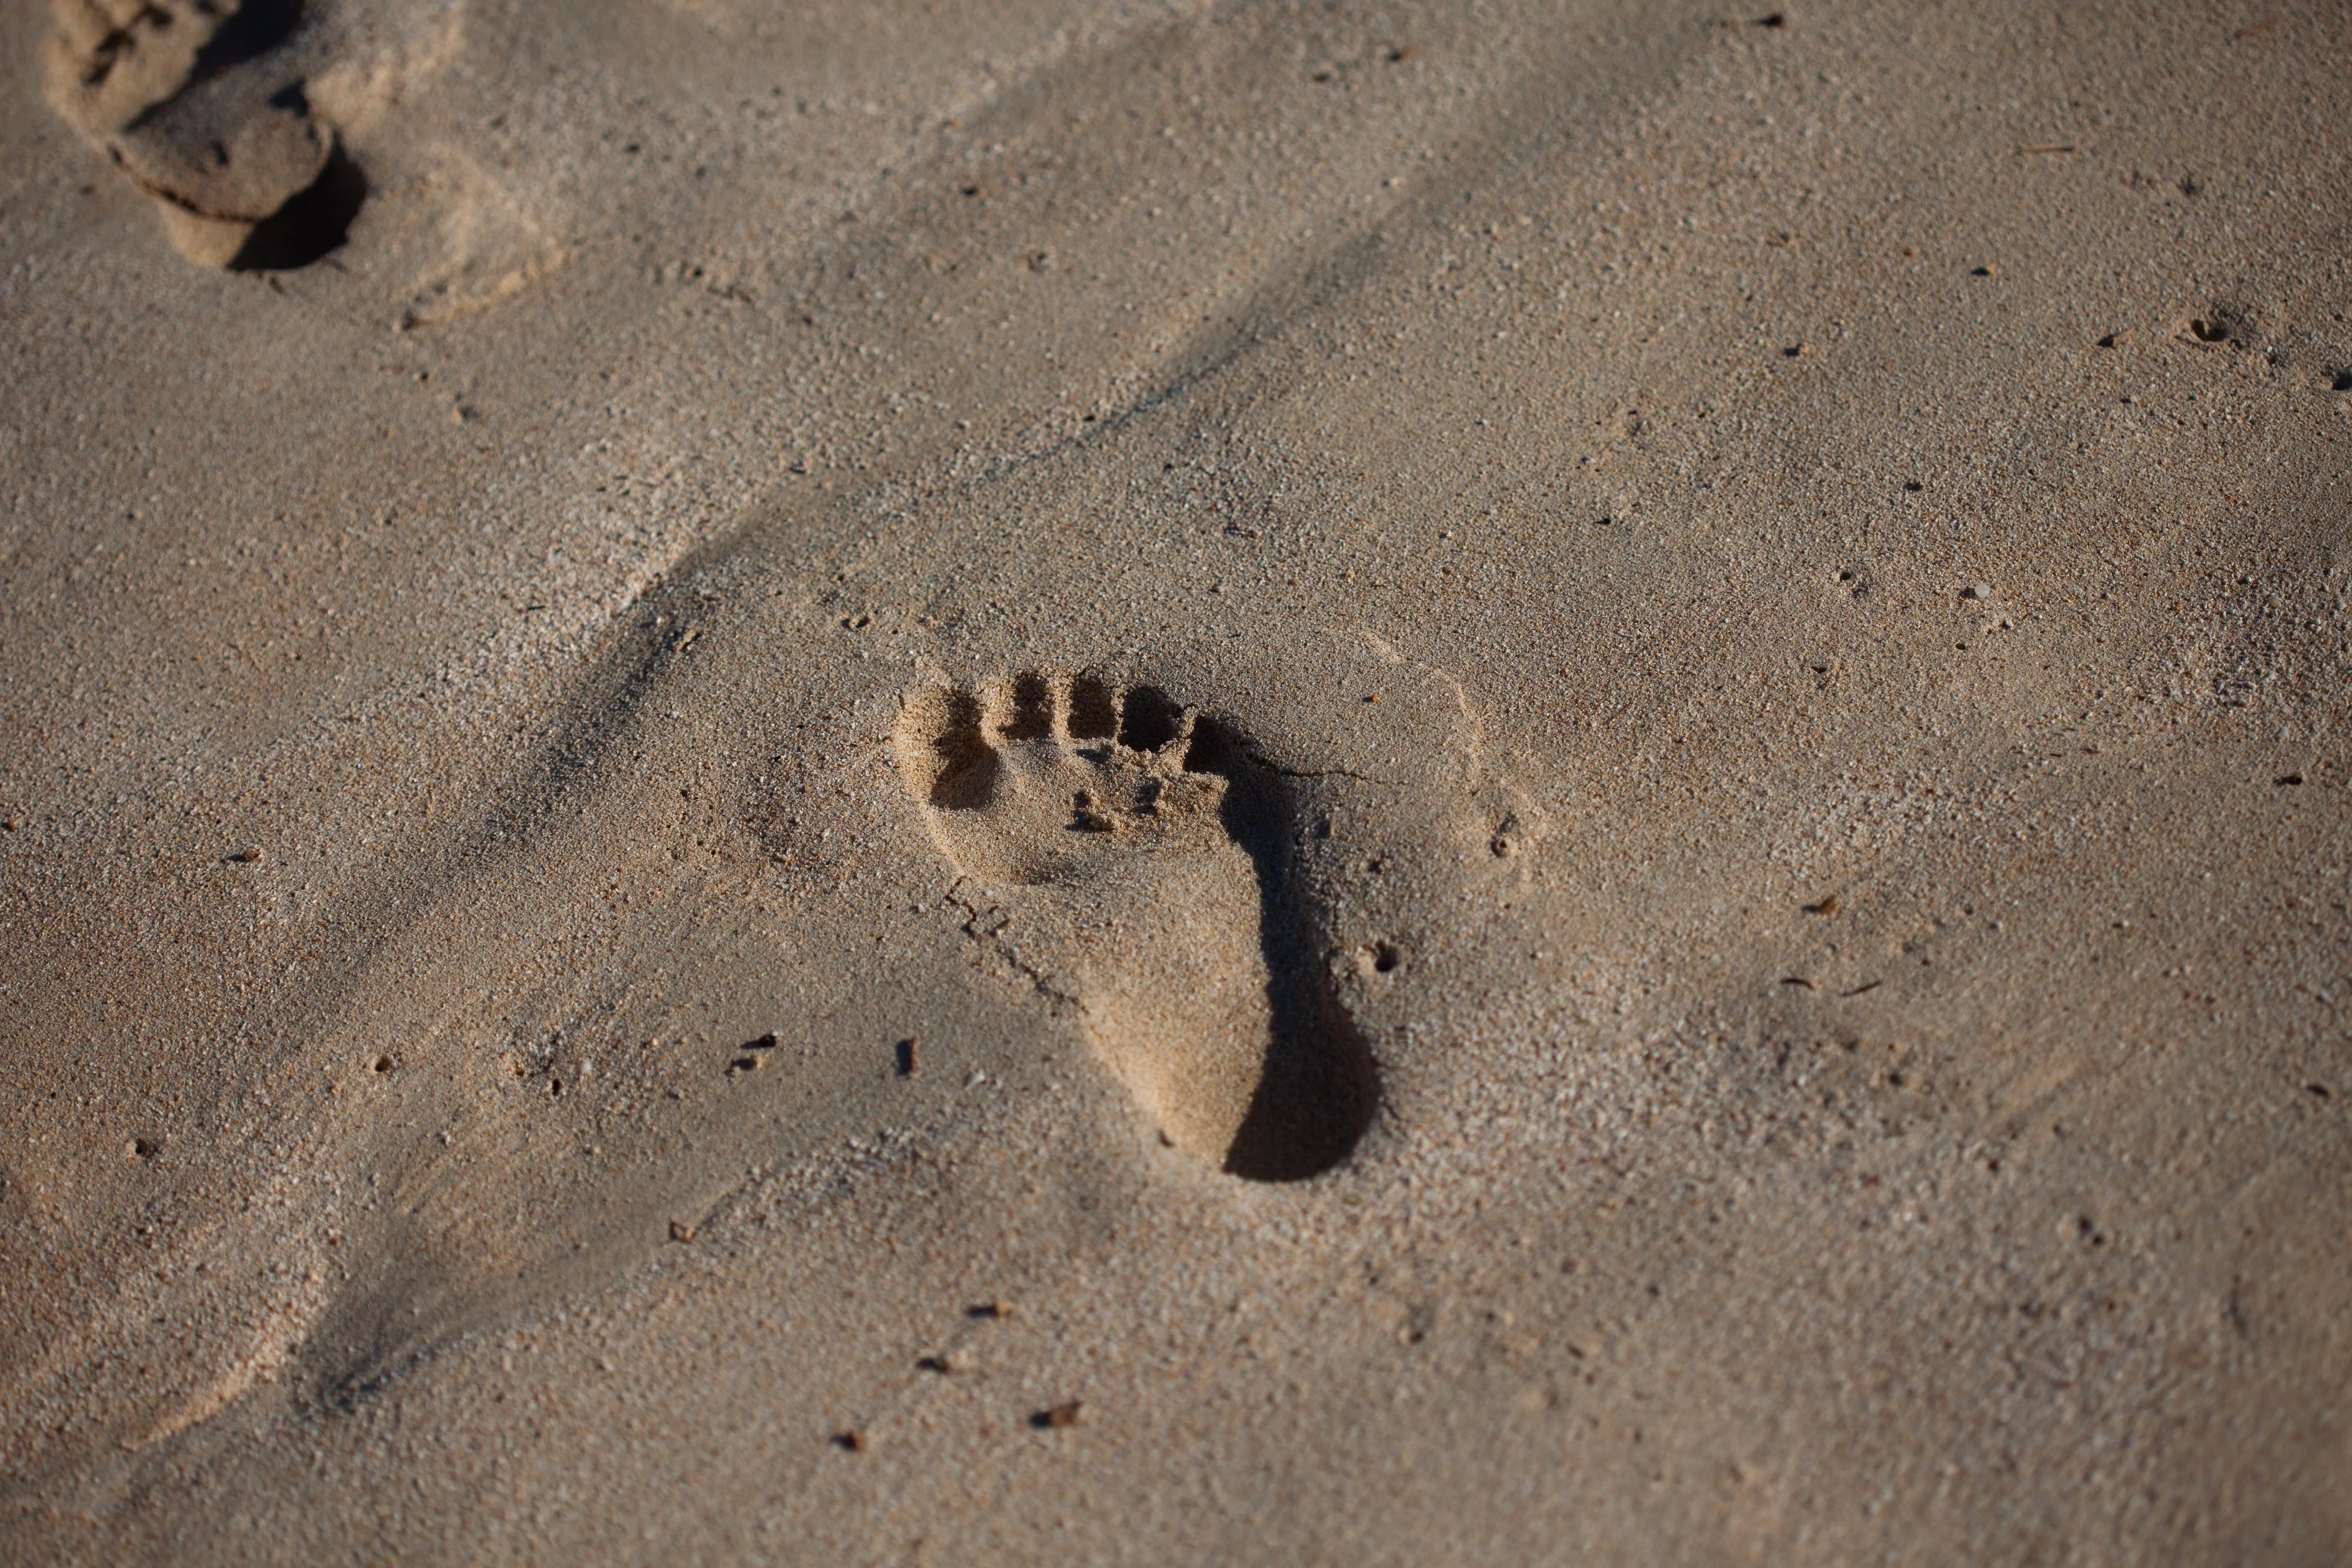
[1131, 857]
[202, 103]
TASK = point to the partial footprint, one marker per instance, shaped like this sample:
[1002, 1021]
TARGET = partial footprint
[1131, 857]
[202, 104]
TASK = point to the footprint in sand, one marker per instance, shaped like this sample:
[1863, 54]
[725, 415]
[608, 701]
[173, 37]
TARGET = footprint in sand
[1132, 857]
[203, 104]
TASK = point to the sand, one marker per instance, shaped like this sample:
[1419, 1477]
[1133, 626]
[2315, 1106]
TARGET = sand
[1099, 781]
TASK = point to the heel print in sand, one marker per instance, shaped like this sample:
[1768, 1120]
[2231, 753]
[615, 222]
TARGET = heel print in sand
[203, 105]
[1130, 855]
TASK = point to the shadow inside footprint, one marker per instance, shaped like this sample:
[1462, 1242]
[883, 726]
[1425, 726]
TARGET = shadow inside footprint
[243, 32]
[1144, 856]
[1320, 1087]
[965, 765]
[311, 225]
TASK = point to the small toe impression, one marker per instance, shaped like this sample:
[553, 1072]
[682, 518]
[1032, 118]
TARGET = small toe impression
[1094, 710]
[1150, 720]
[1030, 716]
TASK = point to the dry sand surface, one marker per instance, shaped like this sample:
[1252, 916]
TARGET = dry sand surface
[1102, 780]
